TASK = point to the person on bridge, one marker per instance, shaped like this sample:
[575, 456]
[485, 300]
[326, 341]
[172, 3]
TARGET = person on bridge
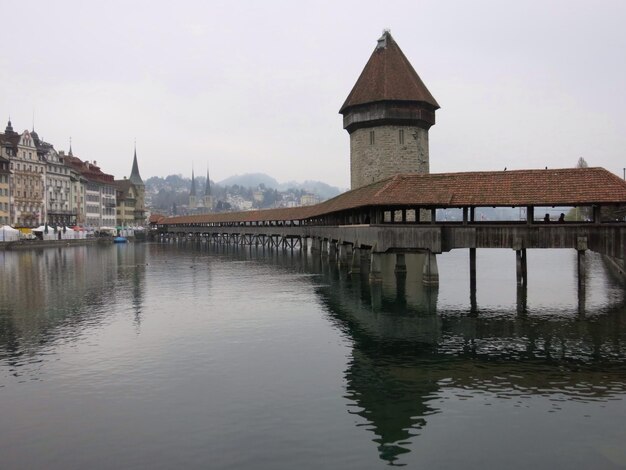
[562, 217]
[546, 219]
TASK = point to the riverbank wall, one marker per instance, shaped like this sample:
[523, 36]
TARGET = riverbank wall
[39, 244]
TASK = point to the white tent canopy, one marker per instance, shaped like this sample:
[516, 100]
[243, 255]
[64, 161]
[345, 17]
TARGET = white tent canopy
[8, 234]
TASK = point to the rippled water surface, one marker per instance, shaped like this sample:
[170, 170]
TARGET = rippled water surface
[165, 356]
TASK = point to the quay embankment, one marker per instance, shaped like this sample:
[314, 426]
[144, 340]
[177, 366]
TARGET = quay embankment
[39, 244]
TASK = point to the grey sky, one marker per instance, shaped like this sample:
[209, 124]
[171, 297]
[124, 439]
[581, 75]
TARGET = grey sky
[256, 86]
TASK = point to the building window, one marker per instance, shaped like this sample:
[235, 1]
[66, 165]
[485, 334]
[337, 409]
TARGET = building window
[401, 136]
[371, 137]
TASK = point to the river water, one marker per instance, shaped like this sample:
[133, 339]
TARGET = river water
[187, 356]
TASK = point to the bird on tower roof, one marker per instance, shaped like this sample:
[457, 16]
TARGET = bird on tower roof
[388, 76]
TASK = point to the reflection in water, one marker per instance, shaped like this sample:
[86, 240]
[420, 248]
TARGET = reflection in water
[407, 351]
[405, 354]
[51, 295]
[411, 347]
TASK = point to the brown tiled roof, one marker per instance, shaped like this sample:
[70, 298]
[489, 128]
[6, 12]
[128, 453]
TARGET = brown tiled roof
[554, 187]
[10, 140]
[156, 218]
[388, 76]
[122, 186]
[88, 170]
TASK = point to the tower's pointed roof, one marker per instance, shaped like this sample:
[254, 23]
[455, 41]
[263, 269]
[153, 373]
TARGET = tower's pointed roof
[135, 178]
[388, 76]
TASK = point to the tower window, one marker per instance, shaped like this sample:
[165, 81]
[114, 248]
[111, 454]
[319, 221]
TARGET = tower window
[401, 136]
[372, 138]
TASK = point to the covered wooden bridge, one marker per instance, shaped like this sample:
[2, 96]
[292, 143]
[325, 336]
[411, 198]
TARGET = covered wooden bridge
[435, 213]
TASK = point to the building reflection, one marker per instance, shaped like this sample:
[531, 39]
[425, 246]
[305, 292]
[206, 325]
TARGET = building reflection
[408, 351]
[53, 294]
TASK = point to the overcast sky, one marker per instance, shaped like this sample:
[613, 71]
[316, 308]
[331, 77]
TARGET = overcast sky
[256, 86]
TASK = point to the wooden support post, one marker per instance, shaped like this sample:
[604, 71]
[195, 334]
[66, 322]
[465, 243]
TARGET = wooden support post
[345, 254]
[400, 267]
[315, 245]
[472, 217]
[530, 215]
[521, 298]
[433, 216]
[582, 266]
[472, 268]
[465, 216]
[582, 280]
[597, 214]
[520, 265]
[355, 265]
[332, 248]
[430, 273]
[376, 267]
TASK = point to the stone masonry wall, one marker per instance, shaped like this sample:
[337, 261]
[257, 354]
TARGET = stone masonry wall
[387, 156]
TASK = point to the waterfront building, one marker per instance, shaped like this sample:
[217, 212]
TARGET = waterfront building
[309, 200]
[5, 174]
[130, 194]
[388, 114]
[60, 209]
[78, 184]
[27, 205]
[100, 205]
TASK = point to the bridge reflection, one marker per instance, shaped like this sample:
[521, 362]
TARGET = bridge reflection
[410, 349]
[408, 354]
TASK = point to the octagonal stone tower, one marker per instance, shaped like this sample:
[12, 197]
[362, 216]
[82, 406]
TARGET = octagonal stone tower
[388, 114]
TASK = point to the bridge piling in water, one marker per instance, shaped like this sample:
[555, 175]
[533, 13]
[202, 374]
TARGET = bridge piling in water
[355, 266]
[521, 268]
[376, 266]
[430, 273]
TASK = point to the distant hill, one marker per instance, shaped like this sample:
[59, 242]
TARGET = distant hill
[253, 180]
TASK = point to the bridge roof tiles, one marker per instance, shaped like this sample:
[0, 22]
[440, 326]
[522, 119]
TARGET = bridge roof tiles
[549, 187]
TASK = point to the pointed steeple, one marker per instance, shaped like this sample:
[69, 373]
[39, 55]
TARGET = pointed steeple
[70, 152]
[9, 128]
[135, 178]
[193, 184]
[192, 193]
[207, 189]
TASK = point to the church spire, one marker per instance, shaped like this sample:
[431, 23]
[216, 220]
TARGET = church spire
[193, 184]
[135, 178]
[207, 189]
[9, 128]
[192, 193]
